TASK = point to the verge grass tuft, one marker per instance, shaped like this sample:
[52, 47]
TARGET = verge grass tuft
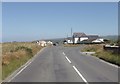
[16, 54]
[103, 54]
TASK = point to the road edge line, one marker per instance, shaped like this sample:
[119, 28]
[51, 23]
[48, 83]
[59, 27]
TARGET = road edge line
[101, 60]
[110, 64]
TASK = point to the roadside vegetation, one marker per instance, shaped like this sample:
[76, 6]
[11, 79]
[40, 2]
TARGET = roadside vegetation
[71, 45]
[106, 55]
[16, 54]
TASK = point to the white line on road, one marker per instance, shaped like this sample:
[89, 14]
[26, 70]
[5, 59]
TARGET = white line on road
[68, 59]
[80, 75]
[63, 53]
[19, 72]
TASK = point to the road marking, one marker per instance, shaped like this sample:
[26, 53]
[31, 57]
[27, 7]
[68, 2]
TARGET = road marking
[80, 75]
[19, 71]
[63, 53]
[68, 59]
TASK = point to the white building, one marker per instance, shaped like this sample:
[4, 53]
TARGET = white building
[42, 43]
[100, 40]
[69, 40]
[78, 37]
[49, 43]
[83, 38]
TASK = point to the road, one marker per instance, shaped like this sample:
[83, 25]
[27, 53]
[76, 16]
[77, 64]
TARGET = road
[66, 64]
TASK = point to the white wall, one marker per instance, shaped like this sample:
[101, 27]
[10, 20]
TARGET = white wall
[102, 40]
[98, 41]
[76, 40]
[83, 38]
[42, 43]
[69, 41]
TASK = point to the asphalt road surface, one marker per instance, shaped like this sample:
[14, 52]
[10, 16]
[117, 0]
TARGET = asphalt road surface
[65, 64]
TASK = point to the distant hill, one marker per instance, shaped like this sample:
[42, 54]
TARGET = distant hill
[110, 37]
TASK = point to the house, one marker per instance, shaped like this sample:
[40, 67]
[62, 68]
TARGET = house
[99, 40]
[42, 43]
[49, 43]
[69, 40]
[83, 38]
[79, 37]
[77, 34]
[92, 37]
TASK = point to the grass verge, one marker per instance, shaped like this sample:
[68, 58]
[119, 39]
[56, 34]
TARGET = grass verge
[108, 56]
[71, 45]
[15, 55]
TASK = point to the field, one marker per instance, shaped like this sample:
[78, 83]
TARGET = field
[102, 54]
[16, 54]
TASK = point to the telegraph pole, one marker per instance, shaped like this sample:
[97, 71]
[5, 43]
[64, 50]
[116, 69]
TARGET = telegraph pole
[71, 32]
[72, 35]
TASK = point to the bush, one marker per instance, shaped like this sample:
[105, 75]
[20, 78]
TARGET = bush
[28, 50]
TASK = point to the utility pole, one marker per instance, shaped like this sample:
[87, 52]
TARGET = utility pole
[71, 32]
[72, 35]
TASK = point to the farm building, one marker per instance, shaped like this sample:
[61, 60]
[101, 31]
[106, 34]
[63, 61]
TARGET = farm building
[42, 43]
[83, 38]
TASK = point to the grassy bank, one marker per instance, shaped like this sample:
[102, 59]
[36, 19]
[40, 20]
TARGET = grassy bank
[102, 54]
[71, 45]
[16, 54]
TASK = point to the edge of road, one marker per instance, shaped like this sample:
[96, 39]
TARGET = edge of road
[20, 69]
[101, 60]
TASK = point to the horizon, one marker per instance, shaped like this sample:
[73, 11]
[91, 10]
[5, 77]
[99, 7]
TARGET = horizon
[57, 38]
[26, 21]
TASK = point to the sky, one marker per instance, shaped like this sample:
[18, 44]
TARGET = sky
[60, 0]
[0, 22]
[28, 21]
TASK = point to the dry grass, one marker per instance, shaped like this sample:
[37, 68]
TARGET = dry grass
[102, 54]
[16, 54]
[71, 45]
[93, 47]
[8, 57]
